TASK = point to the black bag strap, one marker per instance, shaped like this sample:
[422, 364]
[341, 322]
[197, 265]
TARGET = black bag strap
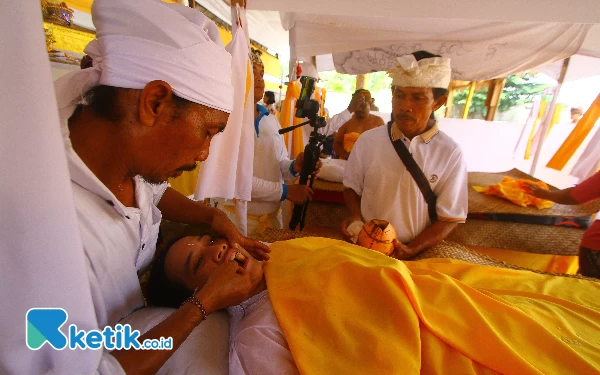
[416, 173]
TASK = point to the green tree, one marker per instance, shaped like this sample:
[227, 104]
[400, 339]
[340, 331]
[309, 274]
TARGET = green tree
[520, 90]
[517, 90]
[336, 82]
[346, 83]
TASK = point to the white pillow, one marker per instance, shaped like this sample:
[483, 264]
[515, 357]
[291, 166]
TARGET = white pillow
[206, 350]
[332, 170]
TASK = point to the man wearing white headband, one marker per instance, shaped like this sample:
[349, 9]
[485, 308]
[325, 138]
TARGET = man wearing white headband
[271, 165]
[158, 92]
[379, 185]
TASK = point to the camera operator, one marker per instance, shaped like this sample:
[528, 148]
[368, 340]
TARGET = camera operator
[271, 165]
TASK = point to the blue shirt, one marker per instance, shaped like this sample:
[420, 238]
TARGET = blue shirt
[262, 112]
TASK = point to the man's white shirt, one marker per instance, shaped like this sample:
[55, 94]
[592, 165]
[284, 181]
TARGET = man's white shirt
[388, 191]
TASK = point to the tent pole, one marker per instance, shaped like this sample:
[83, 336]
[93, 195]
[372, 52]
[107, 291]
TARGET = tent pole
[548, 116]
[493, 98]
[469, 99]
[293, 55]
[450, 101]
[361, 81]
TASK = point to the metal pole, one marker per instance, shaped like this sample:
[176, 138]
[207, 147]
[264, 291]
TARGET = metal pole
[548, 116]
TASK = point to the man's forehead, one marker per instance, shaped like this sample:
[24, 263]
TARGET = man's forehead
[414, 90]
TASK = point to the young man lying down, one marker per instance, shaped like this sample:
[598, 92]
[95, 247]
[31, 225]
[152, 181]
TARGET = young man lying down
[333, 307]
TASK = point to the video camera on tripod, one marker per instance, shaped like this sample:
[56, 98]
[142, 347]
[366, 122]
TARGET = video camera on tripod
[307, 108]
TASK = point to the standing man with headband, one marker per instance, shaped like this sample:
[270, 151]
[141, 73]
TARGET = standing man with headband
[158, 92]
[382, 184]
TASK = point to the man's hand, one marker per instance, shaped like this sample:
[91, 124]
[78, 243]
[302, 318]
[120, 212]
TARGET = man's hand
[228, 285]
[401, 251]
[300, 160]
[221, 224]
[347, 221]
[299, 193]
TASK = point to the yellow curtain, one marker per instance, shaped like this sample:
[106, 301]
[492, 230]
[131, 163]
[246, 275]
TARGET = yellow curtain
[288, 118]
[533, 141]
[323, 97]
[186, 183]
[536, 122]
[574, 140]
[347, 310]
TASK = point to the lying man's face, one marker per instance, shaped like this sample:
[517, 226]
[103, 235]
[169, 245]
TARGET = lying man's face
[191, 260]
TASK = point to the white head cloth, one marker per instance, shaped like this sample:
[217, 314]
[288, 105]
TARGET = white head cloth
[432, 72]
[139, 41]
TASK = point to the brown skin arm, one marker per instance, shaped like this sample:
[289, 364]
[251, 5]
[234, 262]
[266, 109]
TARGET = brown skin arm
[338, 143]
[431, 236]
[353, 203]
[227, 286]
[178, 208]
[558, 196]
[178, 325]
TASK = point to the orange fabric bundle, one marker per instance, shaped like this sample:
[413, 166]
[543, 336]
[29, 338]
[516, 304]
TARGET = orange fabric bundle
[516, 191]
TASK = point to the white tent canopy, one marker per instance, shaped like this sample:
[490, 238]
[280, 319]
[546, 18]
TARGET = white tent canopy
[484, 40]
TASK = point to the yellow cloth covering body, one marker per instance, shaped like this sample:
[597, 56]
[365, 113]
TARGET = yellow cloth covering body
[349, 141]
[348, 310]
[540, 262]
[516, 192]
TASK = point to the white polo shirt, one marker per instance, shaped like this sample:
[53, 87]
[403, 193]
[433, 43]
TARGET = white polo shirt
[388, 191]
[119, 242]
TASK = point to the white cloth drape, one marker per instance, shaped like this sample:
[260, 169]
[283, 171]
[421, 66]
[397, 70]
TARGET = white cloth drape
[41, 257]
[227, 173]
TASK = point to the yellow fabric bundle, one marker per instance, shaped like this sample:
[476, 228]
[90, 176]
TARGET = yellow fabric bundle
[516, 191]
[348, 310]
[349, 141]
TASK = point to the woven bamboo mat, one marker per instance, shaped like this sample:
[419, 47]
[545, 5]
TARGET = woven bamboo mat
[533, 238]
[483, 203]
[325, 214]
[328, 186]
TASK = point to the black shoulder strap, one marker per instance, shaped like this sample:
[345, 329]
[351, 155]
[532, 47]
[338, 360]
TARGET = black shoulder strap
[416, 173]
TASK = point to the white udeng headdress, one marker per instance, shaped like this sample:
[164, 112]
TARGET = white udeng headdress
[139, 41]
[432, 72]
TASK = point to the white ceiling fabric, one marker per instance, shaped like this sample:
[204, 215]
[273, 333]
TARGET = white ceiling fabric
[484, 40]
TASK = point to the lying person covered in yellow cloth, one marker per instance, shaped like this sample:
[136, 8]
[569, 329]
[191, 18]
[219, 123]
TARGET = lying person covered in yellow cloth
[336, 308]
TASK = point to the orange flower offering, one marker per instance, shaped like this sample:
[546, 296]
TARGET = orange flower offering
[516, 191]
[377, 235]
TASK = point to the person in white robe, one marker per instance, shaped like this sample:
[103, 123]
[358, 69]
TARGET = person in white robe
[271, 166]
[158, 92]
[377, 183]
